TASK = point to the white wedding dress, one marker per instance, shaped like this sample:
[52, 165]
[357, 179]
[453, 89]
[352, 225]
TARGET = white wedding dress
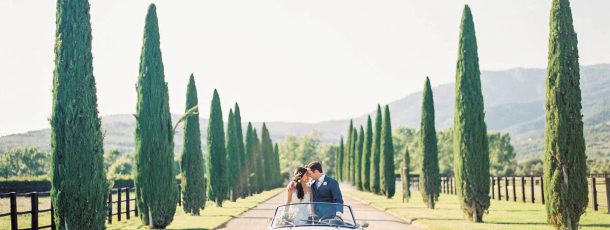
[302, 212]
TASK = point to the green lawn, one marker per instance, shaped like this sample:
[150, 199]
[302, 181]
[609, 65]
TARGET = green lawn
[210, 218]
[447, 215]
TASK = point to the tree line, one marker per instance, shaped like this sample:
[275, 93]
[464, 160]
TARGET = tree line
[565, 160]
[78, 169]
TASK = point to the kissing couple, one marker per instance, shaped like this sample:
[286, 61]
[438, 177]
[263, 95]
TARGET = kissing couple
[309, 184]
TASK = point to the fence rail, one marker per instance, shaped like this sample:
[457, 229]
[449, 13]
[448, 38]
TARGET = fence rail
[531, 189]
[122, 204]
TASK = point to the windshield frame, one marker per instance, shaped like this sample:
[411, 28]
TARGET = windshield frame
[278, 208]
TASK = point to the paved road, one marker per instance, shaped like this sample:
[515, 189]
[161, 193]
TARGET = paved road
[258, 217]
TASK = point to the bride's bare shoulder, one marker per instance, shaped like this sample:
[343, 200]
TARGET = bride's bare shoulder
[290, 186]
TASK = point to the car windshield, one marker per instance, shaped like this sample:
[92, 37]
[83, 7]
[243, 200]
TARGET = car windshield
[313, 214]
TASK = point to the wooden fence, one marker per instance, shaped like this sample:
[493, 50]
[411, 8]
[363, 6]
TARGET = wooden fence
[118, 208]
[531, 189]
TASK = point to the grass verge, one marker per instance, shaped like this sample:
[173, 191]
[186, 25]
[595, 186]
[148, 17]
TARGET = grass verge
[448, 215]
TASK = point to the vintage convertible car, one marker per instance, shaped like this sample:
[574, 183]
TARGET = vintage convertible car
[316, 215]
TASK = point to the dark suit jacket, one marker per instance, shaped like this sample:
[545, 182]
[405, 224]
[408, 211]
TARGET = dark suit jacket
[329, 193]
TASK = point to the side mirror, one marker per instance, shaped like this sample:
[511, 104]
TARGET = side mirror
[365, 225]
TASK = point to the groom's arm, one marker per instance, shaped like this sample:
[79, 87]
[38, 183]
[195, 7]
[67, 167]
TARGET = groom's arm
[337, 197]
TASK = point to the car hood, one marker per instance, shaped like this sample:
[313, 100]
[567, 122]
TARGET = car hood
[314, 228]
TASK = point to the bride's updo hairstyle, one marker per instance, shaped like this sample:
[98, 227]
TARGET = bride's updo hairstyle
[298, 176]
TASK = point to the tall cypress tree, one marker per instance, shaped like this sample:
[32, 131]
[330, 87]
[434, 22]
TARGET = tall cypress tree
[277, 172]
[260, 163]
[267, 154]
[360, 148]
[251, 156]
[406, 179]
[216, 158]
[387, 179]
[155, 181]
[366, 156]
[352, 157]
[429, 177]
[470, 148]
[78, 178]
[348, 148]
[232, 169]
[191, 160]
[340, 160]
[565, 159]
[376, 153]
[243, 167]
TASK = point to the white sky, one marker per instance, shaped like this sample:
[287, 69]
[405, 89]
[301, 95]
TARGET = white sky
[282, 60]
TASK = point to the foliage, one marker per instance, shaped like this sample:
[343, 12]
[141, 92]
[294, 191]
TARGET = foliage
[358, 159]
[156, 191]
[243, 167]
[470, 146]
[429, 177]
[252, 158]
[78, 177]
[216, 158]
[532, 167]
[501, 154]
[376, 154]
[20, 162]
[565, 159]
[191, 161]
[232, 169]
[387, 178]
[366, 156]
[298, 151]
[266, 148]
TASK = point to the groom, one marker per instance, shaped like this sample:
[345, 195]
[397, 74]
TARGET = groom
[325, 189]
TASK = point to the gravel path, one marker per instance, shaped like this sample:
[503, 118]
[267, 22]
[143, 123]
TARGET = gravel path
[259, 216]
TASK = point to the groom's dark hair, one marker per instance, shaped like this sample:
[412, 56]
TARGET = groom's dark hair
[315, 166]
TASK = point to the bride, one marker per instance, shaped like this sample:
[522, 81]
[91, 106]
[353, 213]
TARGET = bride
[299, 191]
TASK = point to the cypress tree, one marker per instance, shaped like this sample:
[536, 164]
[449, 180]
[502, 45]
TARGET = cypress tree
[251, 155]
[267, 154]
[565, 159]
[340, 160]
[360, 148]
[470, 148]
[376, 153]
[348, 148]
[78, 177]
[232, 169]
[216, 158]
[429, 177]
[366, 156]
[387, 179]
[243, 167]
[155, 181]
[191, 160]
[260, 163]
[352, 157]
[277, 171]
[406, 179]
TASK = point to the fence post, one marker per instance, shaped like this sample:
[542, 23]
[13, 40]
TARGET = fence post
[52, 217]
[493, 185]
[34, 206]
[118, 204]
[514, 190]
[179, 195]
[542, 189]
[499, 188]
[453, 185]
[13, 196]
[594, 190]
[128, 210]
[523, 189]
[607, 180]
[110, 207]
[506, 188]
[532, 187]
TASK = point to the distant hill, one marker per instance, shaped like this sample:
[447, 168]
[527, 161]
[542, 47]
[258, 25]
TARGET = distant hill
[514, 103]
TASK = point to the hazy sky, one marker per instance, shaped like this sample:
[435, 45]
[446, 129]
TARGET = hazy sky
[282, 60]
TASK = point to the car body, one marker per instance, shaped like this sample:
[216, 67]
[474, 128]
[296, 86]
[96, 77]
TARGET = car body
[314, 216]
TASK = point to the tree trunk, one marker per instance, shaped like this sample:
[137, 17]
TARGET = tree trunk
[430, 201]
